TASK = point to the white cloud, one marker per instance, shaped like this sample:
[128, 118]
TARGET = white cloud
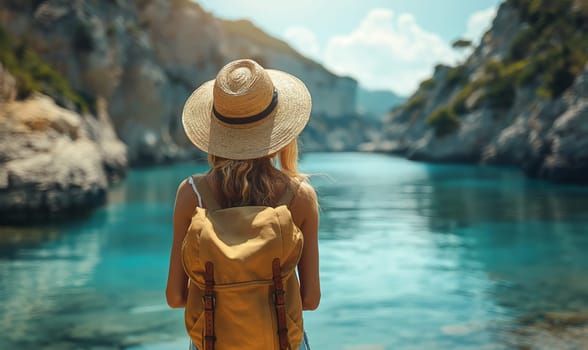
[478, 23]
[387, 51]
[303, 40]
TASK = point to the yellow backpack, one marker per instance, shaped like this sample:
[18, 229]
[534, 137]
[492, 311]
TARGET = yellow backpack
[243, 291]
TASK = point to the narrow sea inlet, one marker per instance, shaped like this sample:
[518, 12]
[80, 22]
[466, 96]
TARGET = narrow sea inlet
[413, 256]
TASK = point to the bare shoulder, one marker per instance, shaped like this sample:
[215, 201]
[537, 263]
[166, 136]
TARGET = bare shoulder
[185, 198]
[306, 194]
[184, 189]
[304, 205]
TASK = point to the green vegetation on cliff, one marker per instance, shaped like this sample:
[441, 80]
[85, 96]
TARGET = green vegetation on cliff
[32, 74]
[444, 120]
[546, 56]
[554, 45]
[553, 48]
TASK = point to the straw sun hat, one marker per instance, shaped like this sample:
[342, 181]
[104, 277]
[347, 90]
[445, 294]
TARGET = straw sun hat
[247, 112]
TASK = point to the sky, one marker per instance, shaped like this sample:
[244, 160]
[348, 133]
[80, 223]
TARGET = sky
[383, 44]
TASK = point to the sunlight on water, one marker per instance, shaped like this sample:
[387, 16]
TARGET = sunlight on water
[413, 256]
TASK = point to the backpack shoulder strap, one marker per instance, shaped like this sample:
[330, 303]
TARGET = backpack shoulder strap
[291, 189]
[205, 194]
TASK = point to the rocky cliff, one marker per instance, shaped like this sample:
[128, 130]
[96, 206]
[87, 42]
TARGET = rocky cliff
[54, 162]
[520, 99]
[144, 57]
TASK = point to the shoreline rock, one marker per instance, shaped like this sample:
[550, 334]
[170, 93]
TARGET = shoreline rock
[54, 163]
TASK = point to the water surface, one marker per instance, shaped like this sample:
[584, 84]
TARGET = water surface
[413, 256]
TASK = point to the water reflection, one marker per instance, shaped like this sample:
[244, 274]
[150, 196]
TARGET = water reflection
[95, 282]
[13, 238]
[413, 256]
[37, 279]
[454, 251]
[528, 237]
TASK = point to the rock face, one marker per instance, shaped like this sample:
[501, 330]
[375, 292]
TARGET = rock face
[145, 57]
[53, 162]
[515, 101]
[554, 143]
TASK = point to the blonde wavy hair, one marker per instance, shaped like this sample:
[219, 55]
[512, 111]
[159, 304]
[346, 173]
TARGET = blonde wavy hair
[255, 181]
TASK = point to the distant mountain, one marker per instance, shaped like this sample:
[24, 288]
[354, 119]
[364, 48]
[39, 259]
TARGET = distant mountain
[520, 99]
[377, 103]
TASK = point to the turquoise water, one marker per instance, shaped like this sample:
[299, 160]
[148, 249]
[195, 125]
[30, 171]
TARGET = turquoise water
[413, 256]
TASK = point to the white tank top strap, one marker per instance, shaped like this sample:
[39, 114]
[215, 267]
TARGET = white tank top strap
[191, 182]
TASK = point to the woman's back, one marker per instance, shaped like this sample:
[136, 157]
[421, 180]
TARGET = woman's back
[247, 121]
[304, 210]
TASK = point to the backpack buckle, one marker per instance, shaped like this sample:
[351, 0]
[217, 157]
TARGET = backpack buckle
[279, 296]
[209, 302]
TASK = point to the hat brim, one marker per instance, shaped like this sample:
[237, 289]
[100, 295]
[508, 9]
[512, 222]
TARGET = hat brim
[249, 141]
